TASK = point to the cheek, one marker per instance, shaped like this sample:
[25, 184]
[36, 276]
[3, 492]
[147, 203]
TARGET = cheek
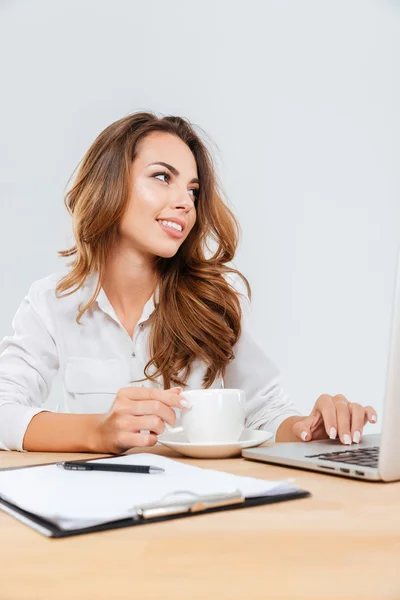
[143, 205]
[193, 219]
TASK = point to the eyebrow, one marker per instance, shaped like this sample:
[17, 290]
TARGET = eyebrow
[173, 170]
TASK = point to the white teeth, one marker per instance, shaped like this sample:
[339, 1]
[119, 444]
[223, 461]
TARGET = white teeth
[171, 224]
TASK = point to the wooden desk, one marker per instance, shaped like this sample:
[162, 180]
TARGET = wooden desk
[342, 543]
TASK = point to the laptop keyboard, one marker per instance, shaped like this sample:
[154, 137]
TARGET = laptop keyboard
[366, 457]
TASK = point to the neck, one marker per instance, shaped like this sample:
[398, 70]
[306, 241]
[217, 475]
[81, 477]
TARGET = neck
[129, 280]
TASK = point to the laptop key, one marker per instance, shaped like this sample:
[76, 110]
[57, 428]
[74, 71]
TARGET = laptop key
[367, 457]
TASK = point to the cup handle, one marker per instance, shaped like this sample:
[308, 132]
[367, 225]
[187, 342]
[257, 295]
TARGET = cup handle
[170, 429]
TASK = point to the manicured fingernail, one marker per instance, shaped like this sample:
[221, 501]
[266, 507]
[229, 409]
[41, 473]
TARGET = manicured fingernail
[356, 437]
[373, 418]
[332, 433]
[347, 439]
[184, 403]
[304, 436]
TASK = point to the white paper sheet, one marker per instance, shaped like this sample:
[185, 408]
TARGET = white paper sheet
[73, 499]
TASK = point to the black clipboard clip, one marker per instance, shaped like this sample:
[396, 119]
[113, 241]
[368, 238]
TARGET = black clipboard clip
[197, 503]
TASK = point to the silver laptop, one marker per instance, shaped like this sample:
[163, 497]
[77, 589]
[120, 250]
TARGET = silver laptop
[377, 456]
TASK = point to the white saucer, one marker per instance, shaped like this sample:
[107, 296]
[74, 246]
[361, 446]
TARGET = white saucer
[248, 439]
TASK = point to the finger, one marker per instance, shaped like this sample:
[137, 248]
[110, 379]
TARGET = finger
[326, 406]
[168, 397]
[357, 415]
[125, 407]
[316, 422]
[151, 423]
[370, 415]
[153, 407]
[343, 419]
[302, 428]
[126, 440]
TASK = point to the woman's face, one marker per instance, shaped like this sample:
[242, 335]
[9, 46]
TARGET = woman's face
[160, 193]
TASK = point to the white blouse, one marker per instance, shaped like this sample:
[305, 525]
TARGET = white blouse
[99, 357]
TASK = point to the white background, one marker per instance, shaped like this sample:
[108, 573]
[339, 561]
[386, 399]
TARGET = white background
[299, 101]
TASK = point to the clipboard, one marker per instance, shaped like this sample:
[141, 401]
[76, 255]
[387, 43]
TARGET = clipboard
[154, 512]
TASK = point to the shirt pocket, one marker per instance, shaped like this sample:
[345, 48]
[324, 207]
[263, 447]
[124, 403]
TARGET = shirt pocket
[94, 382]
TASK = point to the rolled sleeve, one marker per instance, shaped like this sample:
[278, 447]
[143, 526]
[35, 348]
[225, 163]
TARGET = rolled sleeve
[252, 370]
[28, 364]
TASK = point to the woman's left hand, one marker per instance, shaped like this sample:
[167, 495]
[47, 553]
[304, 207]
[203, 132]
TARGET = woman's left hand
[334, 416]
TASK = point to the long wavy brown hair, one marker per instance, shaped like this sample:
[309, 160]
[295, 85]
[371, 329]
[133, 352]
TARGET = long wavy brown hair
[198, 314]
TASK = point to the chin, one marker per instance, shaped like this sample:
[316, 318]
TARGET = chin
[167, 253]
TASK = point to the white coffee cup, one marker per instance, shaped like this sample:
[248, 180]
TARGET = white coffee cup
[214, 415]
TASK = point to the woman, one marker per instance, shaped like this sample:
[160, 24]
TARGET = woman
[144, 312]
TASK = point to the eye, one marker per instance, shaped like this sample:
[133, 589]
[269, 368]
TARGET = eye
[168, 178]
[167, 175]
[196, 193]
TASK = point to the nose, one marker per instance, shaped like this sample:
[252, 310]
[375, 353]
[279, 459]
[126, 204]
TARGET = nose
[182, 200]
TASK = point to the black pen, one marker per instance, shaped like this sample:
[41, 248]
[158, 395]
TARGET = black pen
[98, 466]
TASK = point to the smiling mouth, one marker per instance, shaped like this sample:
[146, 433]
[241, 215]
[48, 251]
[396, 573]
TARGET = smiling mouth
[171, 230]
[171, 224]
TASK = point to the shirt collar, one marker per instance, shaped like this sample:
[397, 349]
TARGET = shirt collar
[89, 286]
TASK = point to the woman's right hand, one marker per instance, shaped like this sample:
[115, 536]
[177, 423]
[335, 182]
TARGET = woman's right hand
[133, 410]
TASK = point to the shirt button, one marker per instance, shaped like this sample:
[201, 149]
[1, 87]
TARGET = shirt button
[133, 354]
